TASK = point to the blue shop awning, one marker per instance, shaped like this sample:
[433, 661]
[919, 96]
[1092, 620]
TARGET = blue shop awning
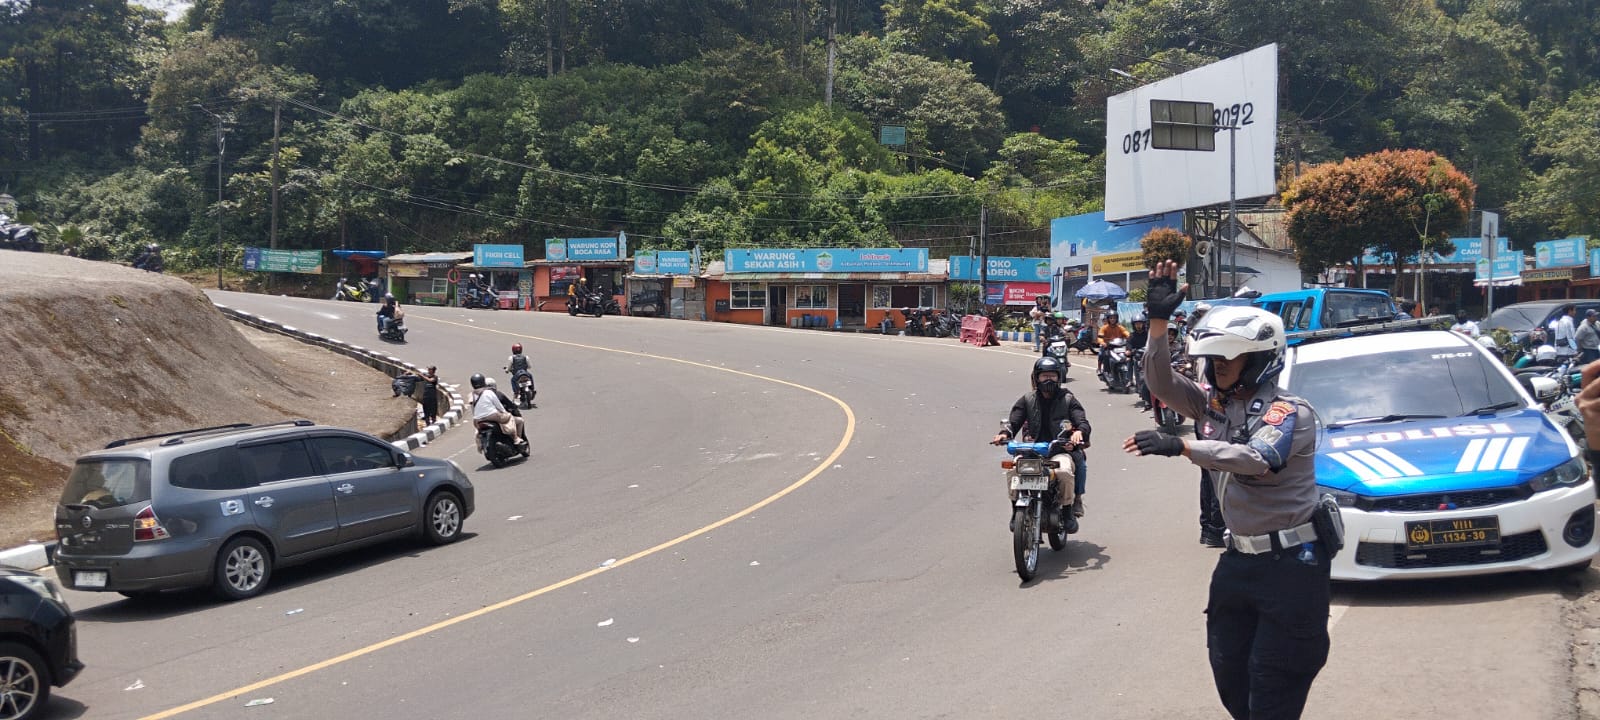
[373, 254]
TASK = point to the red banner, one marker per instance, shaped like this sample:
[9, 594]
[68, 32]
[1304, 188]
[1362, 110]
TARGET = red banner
[1023, 293]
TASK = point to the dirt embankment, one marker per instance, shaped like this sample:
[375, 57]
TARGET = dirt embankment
[91, 352]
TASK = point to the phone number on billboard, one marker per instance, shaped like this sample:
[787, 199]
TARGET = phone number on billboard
[1222, 118]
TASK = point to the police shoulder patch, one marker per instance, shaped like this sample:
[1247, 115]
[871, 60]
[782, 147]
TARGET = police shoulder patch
[1276, 414]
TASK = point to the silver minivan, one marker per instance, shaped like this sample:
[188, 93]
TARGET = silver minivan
[223, 506]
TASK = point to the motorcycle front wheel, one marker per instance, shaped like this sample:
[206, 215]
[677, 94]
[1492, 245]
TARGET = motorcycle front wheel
[1025, 541]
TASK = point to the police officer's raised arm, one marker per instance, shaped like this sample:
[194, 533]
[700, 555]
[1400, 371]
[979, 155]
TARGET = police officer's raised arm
[1182, 394]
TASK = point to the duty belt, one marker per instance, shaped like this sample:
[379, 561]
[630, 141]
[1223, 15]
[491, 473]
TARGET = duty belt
[1258, 544]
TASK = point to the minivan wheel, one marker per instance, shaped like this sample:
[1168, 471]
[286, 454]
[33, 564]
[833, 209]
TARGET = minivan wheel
[243, 568]
[442, 518]
[24, 682]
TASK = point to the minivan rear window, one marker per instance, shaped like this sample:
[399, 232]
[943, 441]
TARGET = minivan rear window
[108, 483]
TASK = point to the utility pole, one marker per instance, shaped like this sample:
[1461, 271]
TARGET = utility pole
[1233, 216]
[221, 150]
[983, 262]
[832, 46]
[277, 106]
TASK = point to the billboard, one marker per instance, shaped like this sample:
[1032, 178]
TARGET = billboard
[1243, 91]
[290, 261]
[563, 249]
[1505, 267]
[825, 260]
[497, 256]
[1021, 269]
[663, 262]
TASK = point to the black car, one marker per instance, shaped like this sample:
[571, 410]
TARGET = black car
[1519, 318]
[38, 642]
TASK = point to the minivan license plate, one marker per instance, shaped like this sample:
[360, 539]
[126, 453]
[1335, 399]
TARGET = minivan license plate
[89, 578]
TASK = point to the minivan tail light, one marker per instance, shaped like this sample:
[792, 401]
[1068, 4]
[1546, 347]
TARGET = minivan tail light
[146, 526]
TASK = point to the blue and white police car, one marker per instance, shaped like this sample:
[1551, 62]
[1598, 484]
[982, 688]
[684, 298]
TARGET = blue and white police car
[1442, 464]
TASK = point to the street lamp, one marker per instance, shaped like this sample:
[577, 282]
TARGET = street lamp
[221, 150]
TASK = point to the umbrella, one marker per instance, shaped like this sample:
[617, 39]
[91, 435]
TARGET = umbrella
[1102, 290]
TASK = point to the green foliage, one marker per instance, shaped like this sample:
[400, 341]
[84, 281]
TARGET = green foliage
[1162, 244]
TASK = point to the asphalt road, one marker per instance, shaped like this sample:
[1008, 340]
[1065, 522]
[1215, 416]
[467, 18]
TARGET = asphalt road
[802, 525]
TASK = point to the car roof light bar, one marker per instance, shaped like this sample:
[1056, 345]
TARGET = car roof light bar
[1372, 329]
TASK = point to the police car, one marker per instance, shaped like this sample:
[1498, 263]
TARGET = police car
[1441, 462]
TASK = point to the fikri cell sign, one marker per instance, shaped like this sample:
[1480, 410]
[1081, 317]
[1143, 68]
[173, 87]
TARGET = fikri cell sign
[1243, 93]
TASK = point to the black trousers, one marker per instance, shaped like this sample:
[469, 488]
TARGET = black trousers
[1267, 629]
[1210, 509]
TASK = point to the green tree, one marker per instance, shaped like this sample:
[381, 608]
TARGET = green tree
[1560, 198]
[950, 118]
[1395, 203]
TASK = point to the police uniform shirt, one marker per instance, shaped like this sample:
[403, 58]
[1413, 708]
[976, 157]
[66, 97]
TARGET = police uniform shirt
[1260, 449]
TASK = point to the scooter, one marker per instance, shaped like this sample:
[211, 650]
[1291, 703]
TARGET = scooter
[1118, 369]
[395, 332]
[522, 385]
[914, 324]
[496, 446]
[352, 291]
[1085, 341]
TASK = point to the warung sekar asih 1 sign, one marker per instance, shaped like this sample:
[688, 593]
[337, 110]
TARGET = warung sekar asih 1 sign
[835, 260]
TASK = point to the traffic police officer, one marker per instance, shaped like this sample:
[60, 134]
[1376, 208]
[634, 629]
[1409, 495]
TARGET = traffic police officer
[1267, 614]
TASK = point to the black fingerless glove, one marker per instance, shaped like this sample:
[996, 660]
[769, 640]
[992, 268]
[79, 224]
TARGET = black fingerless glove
[1162, 298]
[1151, 442]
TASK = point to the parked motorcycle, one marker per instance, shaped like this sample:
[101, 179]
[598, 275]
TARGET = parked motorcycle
[478, 297]
[352, 291]
[941, 324]
[1117, 372]
[1086, 341]
[395, 332]
[15, 236]
[1031, 474]
[914, 322]
[594, 303]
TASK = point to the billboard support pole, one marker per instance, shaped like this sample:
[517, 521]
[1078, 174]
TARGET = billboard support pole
[1233, 217]
[983, 267]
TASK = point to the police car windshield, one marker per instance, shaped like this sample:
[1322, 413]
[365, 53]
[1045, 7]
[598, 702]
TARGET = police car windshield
[1401, 384]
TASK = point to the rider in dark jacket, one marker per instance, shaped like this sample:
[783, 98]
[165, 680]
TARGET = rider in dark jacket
[1042, 415]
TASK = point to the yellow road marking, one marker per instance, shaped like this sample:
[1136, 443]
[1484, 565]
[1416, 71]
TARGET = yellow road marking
[849, 433]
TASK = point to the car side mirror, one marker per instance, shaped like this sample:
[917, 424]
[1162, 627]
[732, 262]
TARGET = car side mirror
[403, 460]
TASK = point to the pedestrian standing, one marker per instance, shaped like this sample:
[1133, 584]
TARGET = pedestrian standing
[1588, 336]
[1565, 332]
[1267, 611]
[1040, 311]
[428, 395]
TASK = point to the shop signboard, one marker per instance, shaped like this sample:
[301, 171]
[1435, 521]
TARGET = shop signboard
[683, 281]
[827, 260]
[1567, 252]
[1594, 263]
[564, 249]
[1468, 250]
[1019, 269]
[1506, 267]
[408, 270]
[644, 262]
[663, 262]
[497, 256]
[1132, 261]
[291, 261]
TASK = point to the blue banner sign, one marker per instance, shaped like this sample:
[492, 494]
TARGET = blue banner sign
[663, 262]
[508, 256]
[1568, 252]
[1506, 267]
[1594, 263]
[581, 249]
[834, 260]
[1468, 250]
[1018, 269]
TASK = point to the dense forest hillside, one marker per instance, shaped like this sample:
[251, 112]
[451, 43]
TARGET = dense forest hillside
[433, 124]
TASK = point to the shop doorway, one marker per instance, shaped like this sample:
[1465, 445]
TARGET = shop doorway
[853, 305]
[777, 304]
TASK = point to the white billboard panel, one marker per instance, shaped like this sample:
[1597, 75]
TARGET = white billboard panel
[1141, 181]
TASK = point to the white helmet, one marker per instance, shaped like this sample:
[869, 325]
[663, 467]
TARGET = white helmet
[1234, 330]
[1488, 342]
[1544, 353]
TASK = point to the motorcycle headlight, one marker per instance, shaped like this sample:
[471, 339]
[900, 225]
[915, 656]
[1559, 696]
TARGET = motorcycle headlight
[40, 585]
[1030, 466]
[1345, 498]
[1566, 474]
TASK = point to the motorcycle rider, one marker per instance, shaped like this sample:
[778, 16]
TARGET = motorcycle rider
[518, 365]
[1052, 329]
[390, 312]
[1042, 415]
[488, 405]
[149, 259]
[1136, 343]
[1111, 330]
[1039, 313]
[1267, 614]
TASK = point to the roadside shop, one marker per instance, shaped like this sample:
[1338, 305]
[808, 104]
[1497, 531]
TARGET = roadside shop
[1012, 281]
[599, 261]
[665, 283]
[1562, 269]
[501, 268]
[823, 287]
[422, 278]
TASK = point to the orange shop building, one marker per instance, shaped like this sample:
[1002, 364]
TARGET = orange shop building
[821, 287]
[600, 261]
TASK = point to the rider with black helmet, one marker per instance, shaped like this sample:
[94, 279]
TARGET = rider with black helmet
[487, 406]
[1047, 412]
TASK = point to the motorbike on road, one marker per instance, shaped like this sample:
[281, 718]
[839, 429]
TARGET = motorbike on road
[496, 446]
[1085, 341]
[1117, 369]
[1031, 475]
[353, 291]
[594, 303]
[395, 332]
[522, 386]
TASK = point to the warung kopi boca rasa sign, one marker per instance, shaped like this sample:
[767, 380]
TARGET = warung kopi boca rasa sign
[836, 260]
[581, 249]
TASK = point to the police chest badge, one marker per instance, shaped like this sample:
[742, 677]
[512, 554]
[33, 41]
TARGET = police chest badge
[1276, 414]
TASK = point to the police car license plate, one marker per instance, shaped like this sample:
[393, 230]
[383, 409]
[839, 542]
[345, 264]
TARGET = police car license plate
[89, 578]
[1458, 532]
[1030, 482]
